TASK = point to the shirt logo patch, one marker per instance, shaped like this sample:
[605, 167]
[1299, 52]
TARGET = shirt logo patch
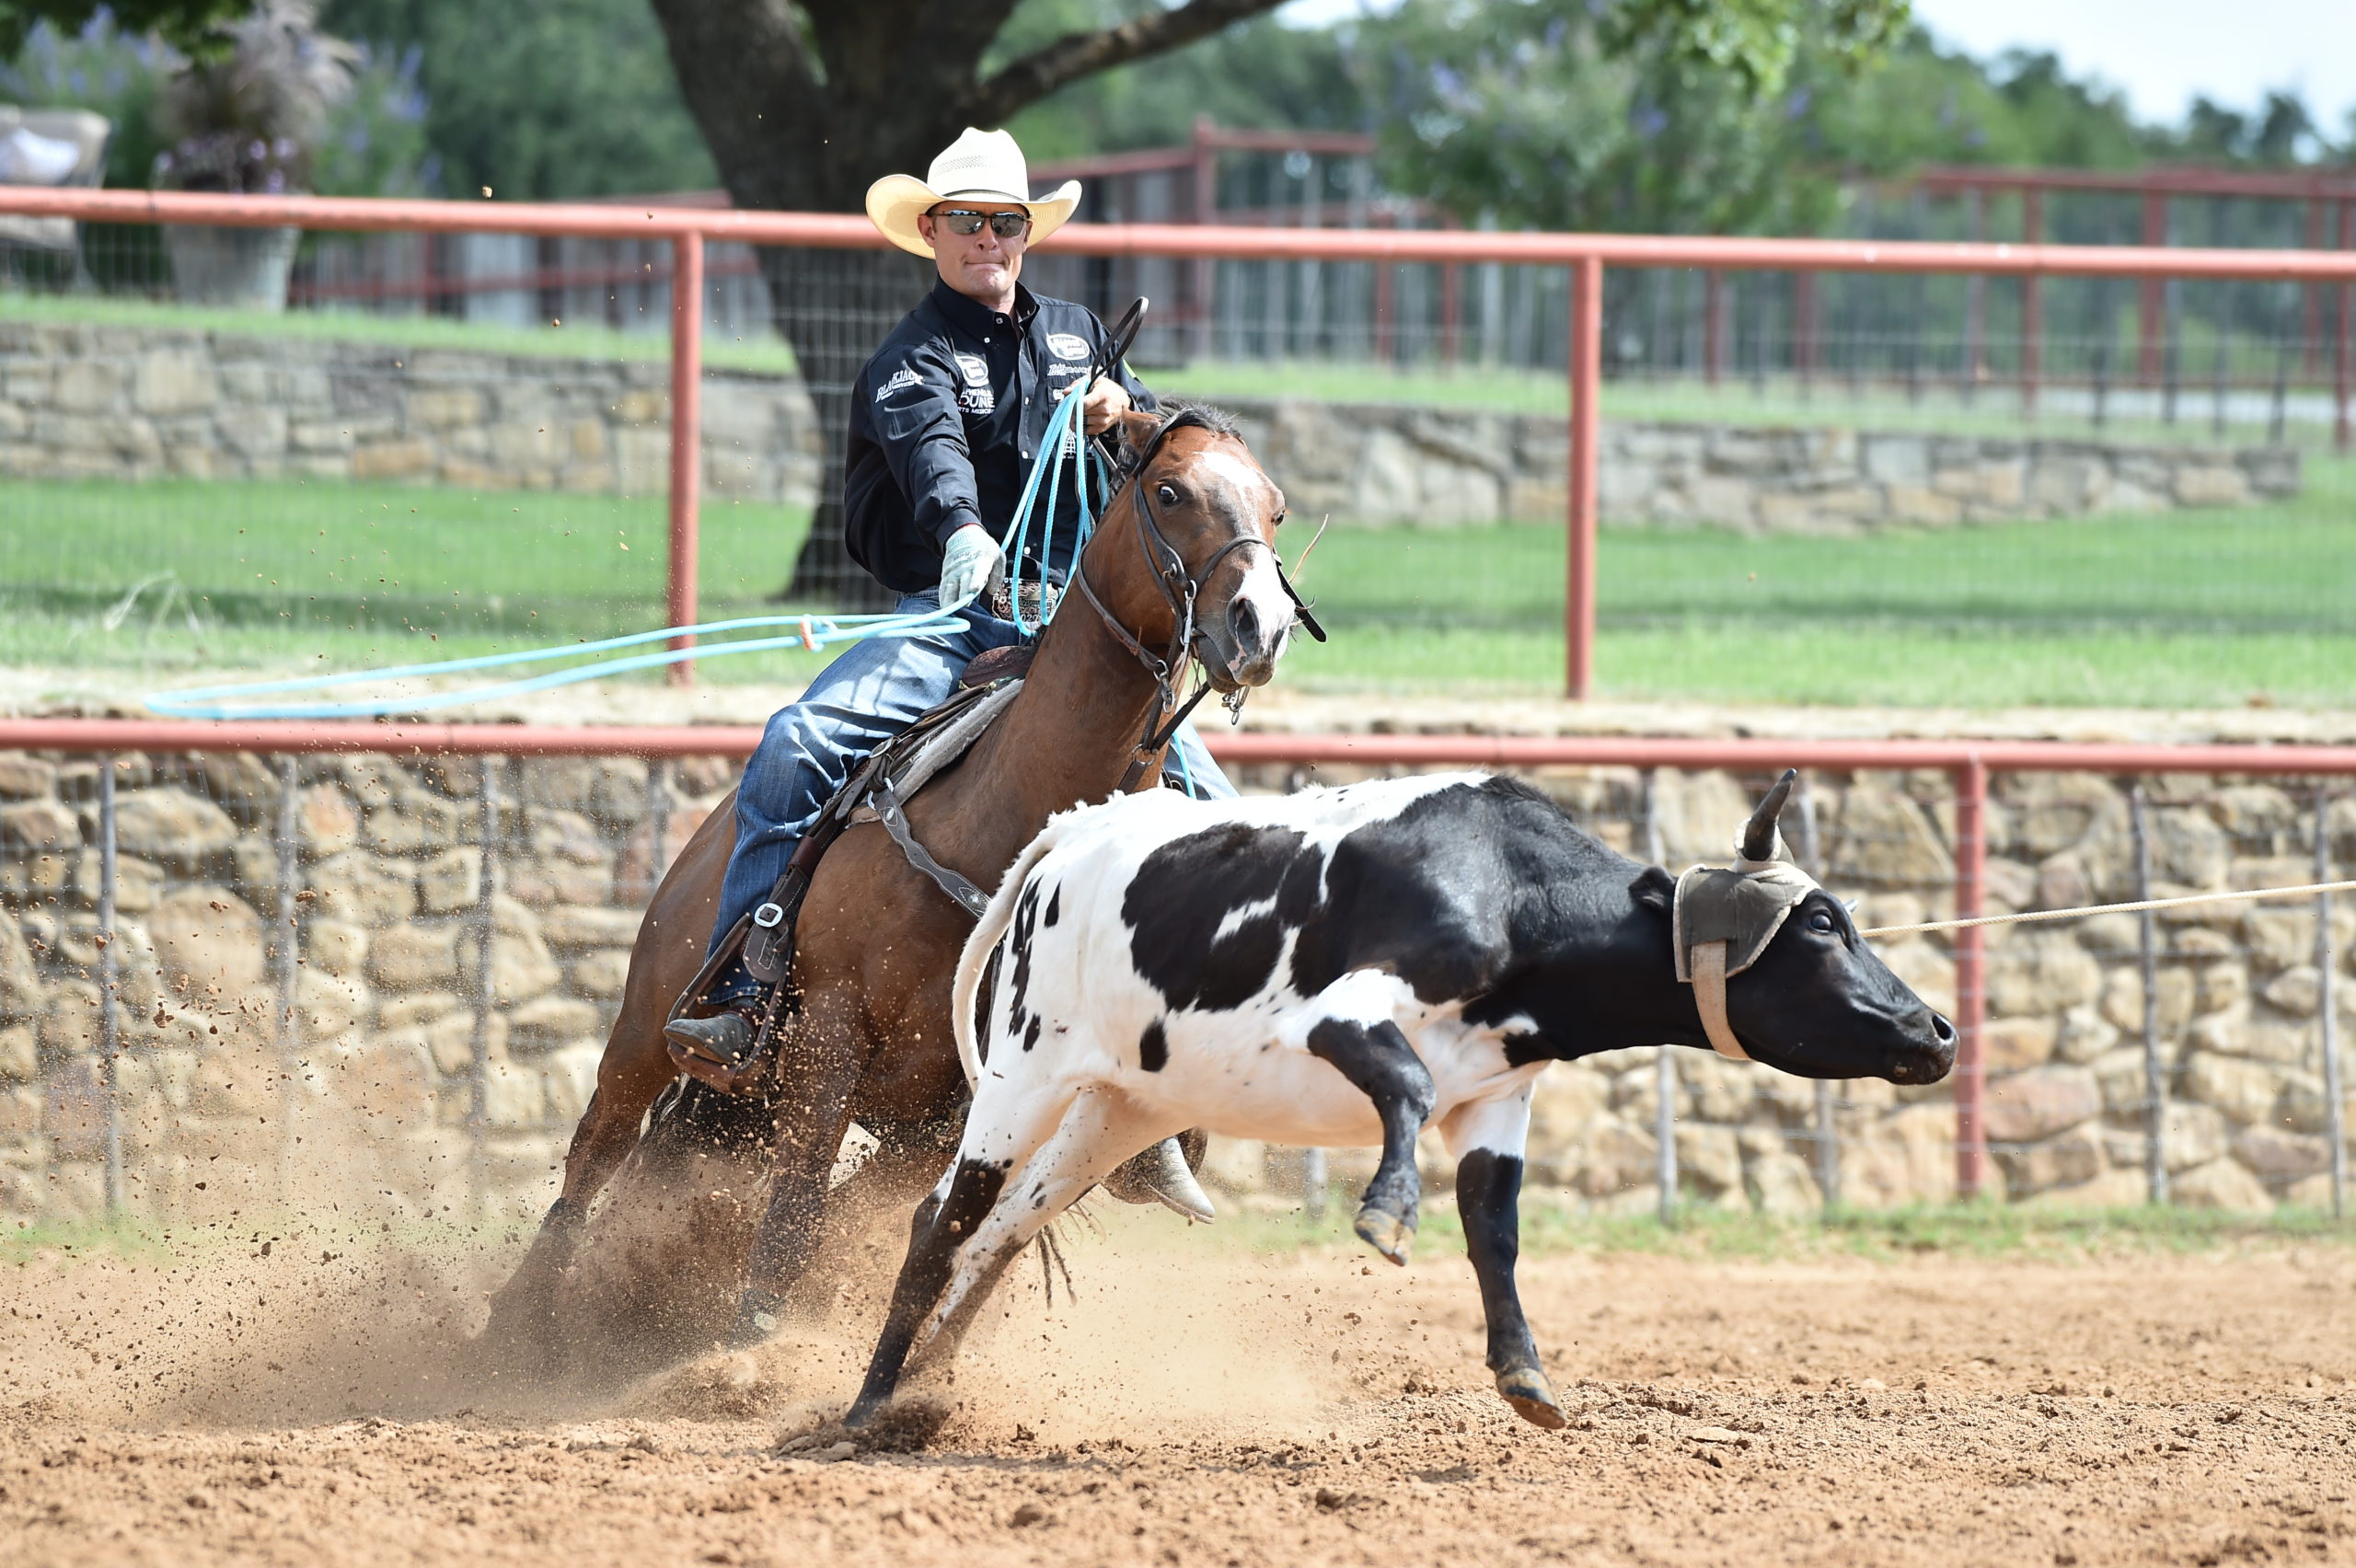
[977, 370]
[1066, 346]
[901, 377]
[977, 400]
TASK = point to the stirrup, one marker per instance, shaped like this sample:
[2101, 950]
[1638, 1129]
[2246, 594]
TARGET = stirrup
[732, 1078]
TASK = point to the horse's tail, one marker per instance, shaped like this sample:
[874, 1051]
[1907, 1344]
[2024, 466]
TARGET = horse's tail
[976, 958]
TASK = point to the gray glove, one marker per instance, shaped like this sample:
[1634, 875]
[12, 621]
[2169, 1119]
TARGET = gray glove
[972, 563]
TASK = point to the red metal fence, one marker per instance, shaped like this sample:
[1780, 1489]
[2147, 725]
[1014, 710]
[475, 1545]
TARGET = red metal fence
[688, 231]
[1971, 765]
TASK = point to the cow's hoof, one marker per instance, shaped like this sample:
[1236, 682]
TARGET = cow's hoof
[758, 1313]
[1387, 1234]
[1526, 1389]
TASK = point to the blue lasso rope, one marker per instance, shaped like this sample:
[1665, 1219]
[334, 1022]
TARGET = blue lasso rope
[812, 633]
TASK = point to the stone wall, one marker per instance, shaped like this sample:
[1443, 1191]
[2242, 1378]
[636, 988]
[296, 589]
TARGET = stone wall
[389, 981]
[114, 402]
[2237, 986]
[125, 402]
[1376, 463]
[388, 857]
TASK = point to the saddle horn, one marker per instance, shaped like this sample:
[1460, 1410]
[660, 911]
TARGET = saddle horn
[1759, 834]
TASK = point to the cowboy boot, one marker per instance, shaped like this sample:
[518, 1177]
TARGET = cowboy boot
[725, 1038]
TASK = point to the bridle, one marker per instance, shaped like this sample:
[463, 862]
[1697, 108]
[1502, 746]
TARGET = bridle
[1180, 590]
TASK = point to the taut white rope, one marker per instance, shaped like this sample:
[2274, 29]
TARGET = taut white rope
[2242, 897]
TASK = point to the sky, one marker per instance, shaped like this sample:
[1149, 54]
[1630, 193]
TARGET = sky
[2164, 53]
[2160, 52]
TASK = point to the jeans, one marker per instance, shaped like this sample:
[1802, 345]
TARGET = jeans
[811, 748]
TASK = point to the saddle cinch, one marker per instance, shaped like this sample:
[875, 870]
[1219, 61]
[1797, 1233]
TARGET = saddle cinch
[879, 792]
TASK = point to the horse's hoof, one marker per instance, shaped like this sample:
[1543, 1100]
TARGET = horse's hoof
[758, 1313]
[1526, 1389]
[1387, 1234]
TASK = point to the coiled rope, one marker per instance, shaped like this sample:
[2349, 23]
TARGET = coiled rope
[810, 633]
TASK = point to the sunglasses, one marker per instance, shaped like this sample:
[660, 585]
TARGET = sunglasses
[965, 220]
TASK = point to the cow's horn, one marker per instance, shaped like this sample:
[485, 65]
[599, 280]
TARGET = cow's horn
[1169, 1177]
[1759, 836]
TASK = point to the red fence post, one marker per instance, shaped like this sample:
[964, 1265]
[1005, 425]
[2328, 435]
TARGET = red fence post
[687, 438]
[1586, 384]
[1975, 309]
[1714, 326]
[1804, 324]
[1971, 1000]
[2154, 294]
[2311, 297]
[2340, 344]
[1204, 196]
[2032, 303]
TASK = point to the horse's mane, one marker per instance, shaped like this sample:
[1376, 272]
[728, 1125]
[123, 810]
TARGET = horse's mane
[1202, 416]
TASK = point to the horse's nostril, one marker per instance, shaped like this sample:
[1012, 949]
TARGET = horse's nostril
[1243, 616]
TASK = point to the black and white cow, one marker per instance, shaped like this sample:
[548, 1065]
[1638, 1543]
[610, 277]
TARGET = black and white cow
[1339, 967]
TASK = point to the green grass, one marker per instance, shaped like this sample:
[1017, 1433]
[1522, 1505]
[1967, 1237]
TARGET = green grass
[590, 341]
[1876, 405]
[175, 576]
[1700, 1233]
[1326, 381]
[1708, 1233]
[2182, 610]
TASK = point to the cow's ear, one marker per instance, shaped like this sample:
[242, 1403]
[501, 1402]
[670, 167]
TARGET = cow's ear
[1654, 889]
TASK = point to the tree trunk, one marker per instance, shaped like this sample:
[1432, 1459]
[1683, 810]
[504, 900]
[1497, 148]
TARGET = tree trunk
[834, 307]
[805, 102]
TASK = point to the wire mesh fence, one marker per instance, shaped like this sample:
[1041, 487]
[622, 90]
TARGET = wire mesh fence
[249, 981]
[246, 981]
[2188, 1057]
[1813, 486]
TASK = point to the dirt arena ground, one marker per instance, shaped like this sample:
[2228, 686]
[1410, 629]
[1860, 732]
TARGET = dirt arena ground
[1203, 1405]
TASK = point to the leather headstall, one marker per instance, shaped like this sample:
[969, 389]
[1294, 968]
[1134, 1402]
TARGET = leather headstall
[1721, 920]
[1180, 589]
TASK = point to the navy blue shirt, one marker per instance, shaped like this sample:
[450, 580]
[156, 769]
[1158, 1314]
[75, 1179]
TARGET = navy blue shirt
[944, 421]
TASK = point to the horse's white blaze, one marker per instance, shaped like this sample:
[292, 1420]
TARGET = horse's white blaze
[1263, 590]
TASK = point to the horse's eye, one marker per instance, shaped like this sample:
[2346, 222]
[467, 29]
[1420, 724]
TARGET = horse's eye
[1169, 497]
[1280, 519]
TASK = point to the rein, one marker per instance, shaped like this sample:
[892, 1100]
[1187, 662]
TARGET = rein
[1180, 588]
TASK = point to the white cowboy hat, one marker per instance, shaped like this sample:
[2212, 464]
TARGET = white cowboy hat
[985, 166]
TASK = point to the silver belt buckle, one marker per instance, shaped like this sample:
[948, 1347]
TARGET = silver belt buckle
[768, 916]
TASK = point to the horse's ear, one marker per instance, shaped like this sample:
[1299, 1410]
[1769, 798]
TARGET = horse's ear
[1133, 432]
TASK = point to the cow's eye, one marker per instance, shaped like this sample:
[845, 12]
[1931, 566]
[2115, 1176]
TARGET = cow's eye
[1168, 497]
[1821, 921]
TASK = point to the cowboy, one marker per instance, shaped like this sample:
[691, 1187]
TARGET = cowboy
[946, 420]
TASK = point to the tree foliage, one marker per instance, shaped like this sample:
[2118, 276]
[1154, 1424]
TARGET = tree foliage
[1663, 115]
[192, 26]
[1556, 113]
[1260, 74]
[541, 99]
[373, 144]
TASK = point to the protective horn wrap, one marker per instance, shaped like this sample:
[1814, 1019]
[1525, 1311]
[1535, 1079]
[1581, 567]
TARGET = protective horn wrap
[1742, 909]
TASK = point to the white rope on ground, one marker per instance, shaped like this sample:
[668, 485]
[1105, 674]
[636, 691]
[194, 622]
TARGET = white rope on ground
[2307, 889]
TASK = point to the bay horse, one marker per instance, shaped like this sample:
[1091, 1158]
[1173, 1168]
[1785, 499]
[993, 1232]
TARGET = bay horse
[652, 1277]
